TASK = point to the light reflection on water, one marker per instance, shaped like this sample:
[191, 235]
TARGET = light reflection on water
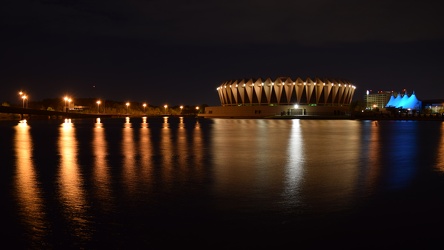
[440, 158]
[231, 167]
[295, 166]
[29, 194]
[332, 152]
[129, 153]
[146, 153]
[299, 159]
[101, 171]
[198, 149]
[71, 184]
[167, 153]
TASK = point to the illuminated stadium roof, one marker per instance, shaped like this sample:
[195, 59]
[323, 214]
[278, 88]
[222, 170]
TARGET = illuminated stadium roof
[285, 91]
[404, 102]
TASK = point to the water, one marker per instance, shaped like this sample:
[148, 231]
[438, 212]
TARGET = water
[221, 183]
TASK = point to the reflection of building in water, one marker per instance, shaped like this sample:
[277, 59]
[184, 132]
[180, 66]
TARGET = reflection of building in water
[250, 157]
[371, 152]
[28, 193]
[295, 167]
[283, 96]
[322, 166]
[297, 158]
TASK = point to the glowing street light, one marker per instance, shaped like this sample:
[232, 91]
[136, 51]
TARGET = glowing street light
[98, 106]
[127, 105]
[24, 97]
[165, 106]
[66, 99]
[366, 106]
[144, 106]
[181, 108]
[197, 109]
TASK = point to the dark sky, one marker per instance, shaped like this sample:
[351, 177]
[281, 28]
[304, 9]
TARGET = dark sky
[178, 52]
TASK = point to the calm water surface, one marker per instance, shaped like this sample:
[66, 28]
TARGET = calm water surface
[221, 183]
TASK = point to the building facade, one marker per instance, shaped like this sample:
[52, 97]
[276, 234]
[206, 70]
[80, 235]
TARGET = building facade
[377, 100]
[282, 96]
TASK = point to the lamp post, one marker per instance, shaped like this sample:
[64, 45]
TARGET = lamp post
[24, 98]
[98, 106]
[165, 106]
[69, 104]
[181, 108]
[66, 99]
[197, 109]
[366, 106]
[127, 105]
[144, 107]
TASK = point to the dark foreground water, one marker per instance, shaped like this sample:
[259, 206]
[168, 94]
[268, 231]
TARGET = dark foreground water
[221, 183]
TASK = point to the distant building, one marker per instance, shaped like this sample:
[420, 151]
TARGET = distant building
[377, 100]
[257, 98]
[403, 101]
[434, 106]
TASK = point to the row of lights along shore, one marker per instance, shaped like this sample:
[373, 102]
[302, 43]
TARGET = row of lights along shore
[144, 105]
[68, 101]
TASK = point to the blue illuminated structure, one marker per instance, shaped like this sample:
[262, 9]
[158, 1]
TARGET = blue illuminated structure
[404, 102]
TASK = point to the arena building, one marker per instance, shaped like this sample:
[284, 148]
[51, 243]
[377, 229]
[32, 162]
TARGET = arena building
[258, 98]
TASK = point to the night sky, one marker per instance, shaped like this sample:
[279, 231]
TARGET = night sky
[178, 52]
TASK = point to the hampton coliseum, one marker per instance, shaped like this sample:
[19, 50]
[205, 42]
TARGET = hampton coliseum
[283, 96]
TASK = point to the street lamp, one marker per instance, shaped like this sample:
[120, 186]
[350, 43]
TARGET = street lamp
[165, 106]
[66, 99]
[98, 106]
[366, 106]
[144, 106]
[197, 109]
[181, 108]
[127, 104]
[24, 98]
[69, 104]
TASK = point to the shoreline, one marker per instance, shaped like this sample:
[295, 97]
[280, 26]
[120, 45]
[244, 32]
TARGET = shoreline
[16, 117]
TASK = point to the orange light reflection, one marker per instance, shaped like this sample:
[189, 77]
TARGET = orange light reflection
[129, 157]
[440, 160]
[72, 194]
[29, 195]
[101, 169]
